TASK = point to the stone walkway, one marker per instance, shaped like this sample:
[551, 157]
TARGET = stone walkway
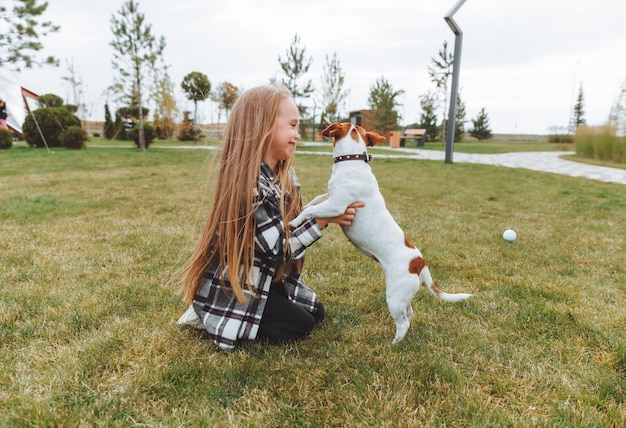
[538, 161]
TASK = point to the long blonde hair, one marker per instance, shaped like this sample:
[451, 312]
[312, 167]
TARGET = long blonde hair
[228, 236]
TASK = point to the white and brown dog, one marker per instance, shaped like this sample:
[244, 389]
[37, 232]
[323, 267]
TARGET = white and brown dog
[373, 231]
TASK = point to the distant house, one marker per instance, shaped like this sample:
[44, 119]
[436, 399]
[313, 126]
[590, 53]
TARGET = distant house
[361, 118]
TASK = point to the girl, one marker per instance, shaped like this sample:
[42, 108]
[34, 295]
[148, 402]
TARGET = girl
[243, 278]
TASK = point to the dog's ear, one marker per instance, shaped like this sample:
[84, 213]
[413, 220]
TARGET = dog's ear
[334, 130]
[372, 139]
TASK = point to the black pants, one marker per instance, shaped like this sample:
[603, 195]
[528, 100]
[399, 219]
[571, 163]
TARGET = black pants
[283, 321]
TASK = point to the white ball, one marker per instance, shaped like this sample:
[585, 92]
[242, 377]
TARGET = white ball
[509, 235]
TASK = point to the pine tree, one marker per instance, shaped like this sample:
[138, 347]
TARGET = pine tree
[480, 126]
[109, 127]
[383, 103]
[428, 118]
[578, 115]
[135, 52]
[459, 124]
[21, 33]
[295, 66]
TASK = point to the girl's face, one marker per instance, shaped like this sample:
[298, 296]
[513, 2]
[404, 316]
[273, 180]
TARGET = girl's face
[285, 134]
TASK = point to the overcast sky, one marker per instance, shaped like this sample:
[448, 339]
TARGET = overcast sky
[523, 61]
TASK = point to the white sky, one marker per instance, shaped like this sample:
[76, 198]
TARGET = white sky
[523, 61]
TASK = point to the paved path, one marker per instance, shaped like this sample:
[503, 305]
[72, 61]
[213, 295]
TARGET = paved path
[538, 161]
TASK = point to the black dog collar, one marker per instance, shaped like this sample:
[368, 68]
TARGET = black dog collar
[365, 157]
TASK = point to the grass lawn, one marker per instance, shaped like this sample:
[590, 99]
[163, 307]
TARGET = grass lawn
[89, 240]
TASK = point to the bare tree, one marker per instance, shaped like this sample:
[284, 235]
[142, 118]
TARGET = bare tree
[165, 100]
[617, 116]
[225, 96]
[76, 85]
[440, 72]
[333, 93]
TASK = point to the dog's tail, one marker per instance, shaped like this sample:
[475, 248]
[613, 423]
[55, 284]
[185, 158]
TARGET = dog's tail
[448, 297]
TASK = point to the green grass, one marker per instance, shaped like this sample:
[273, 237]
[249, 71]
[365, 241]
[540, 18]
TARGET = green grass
[89, 240]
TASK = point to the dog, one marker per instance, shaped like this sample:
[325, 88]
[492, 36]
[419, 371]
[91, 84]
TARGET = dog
[373, 231]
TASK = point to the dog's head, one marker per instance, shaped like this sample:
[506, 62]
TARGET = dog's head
[337, 131]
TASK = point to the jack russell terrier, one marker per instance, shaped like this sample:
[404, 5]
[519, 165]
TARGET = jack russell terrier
[374, 231]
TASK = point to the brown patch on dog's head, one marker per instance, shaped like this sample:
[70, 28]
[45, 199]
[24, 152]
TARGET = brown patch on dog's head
[416, 265]
[339, 130]
[336, 131]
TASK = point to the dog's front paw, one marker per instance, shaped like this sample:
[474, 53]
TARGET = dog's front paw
[297, 221]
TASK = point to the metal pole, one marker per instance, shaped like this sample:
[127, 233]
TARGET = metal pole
[456, 68]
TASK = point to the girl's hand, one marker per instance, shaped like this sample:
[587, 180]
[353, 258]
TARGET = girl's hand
[344, 219]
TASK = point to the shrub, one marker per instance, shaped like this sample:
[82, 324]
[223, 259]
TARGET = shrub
[74, 137]
[187, 130]
[125, 120]
[52, 121]
[6, 139]
[148, 134]
[165, 128]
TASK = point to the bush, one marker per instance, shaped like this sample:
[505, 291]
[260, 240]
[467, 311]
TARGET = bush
[148, 134]
[52, 121]
[6, 139]
[188, 131]
[165, 128]
[74, 137]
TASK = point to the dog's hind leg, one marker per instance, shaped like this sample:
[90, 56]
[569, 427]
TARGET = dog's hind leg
[401, 312]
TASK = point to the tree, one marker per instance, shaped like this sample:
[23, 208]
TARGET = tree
[440, 73]
[480, 126]
[333, 94]
[428, 118]
[23, 35]
[383, 103]
[295, 66]
[76, 84]
[225, 96]
[459, 122]
[135, 52]
[198, 88]
[165, 100]
[109, 127]
[50, 100]
[578, 114]
[617, 115]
